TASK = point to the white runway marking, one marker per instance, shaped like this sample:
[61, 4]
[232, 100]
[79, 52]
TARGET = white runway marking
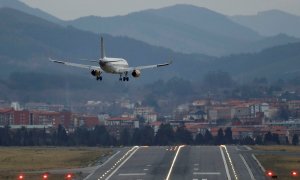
[196, 169]
[146, 169]
[206, 173]
[248, 169]
[137, 148]
[261, 167]
[196, 164]
[169, 174]
[132, 174]
[225, 164]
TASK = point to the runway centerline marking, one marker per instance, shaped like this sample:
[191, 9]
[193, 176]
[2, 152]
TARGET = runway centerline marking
[206, 173]
[247, 166]
[132, 174]
[175, 157]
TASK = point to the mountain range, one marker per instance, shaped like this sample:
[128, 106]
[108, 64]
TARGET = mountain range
[27, 41]
[270, 23]
[181, 28]
[18, 5]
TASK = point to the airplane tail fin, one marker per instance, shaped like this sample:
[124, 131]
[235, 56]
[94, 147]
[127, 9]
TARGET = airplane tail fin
[102, 48]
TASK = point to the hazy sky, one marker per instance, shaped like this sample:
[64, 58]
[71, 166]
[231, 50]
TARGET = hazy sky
[71, 9]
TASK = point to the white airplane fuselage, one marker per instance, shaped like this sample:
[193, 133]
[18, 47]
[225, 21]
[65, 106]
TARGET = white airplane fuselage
[113, 65]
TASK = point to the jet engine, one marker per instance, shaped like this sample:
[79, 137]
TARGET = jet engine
[136, 73]
[95, 73]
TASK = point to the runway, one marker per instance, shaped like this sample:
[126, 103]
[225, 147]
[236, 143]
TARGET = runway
[180, 163]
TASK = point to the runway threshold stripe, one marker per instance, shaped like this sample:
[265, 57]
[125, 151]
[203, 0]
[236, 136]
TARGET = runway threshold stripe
[206, 173]
[132, 174]
[247, 166]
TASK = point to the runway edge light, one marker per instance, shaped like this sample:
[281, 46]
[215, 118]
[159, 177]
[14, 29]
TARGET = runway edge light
[21, 177]
[69, 176]
[294, 173]
[271, 174]
[45, 176]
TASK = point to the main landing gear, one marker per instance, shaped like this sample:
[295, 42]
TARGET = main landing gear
[99, 78]
[125, 78]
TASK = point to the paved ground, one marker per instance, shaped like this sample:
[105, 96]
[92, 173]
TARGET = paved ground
[179, 163]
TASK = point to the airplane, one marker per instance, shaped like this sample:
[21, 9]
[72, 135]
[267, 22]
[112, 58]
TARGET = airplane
[111, 65]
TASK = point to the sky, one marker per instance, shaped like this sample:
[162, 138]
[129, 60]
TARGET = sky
[72, 9]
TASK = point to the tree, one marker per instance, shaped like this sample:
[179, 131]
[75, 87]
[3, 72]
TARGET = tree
[100, 136]
[165, 135]
[136, 137]
[258, 140]
[125, 137]
[228, 136]
[183, 136]
[218, 79]
[81, 136]
[208, 138]
[220, 137]
[275, 138]
[61, 136]
[147, 136]
[199, 139]
[295, 140]
[268, 138]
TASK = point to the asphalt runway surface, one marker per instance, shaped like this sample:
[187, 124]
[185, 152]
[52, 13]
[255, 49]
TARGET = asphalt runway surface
[180, 163]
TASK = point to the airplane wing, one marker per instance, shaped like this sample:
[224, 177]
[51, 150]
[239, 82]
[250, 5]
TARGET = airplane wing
[90, 67]
[145, 67]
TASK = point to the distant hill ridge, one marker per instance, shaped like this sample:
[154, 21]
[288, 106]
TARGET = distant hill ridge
[182, 28]
[28, 41]
[18, 5]
[270, 23]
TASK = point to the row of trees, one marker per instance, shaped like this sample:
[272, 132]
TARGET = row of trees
[99, 136]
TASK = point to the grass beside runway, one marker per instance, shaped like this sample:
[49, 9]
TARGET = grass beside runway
[278, 148]
[14, 160]
[282, 164]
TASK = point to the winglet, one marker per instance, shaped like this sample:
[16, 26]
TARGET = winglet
[52, 60]
[165, 64]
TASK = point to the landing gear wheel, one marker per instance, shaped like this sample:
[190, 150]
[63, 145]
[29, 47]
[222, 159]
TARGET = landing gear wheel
[99, 78]
[124, 78]
[127, 78]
